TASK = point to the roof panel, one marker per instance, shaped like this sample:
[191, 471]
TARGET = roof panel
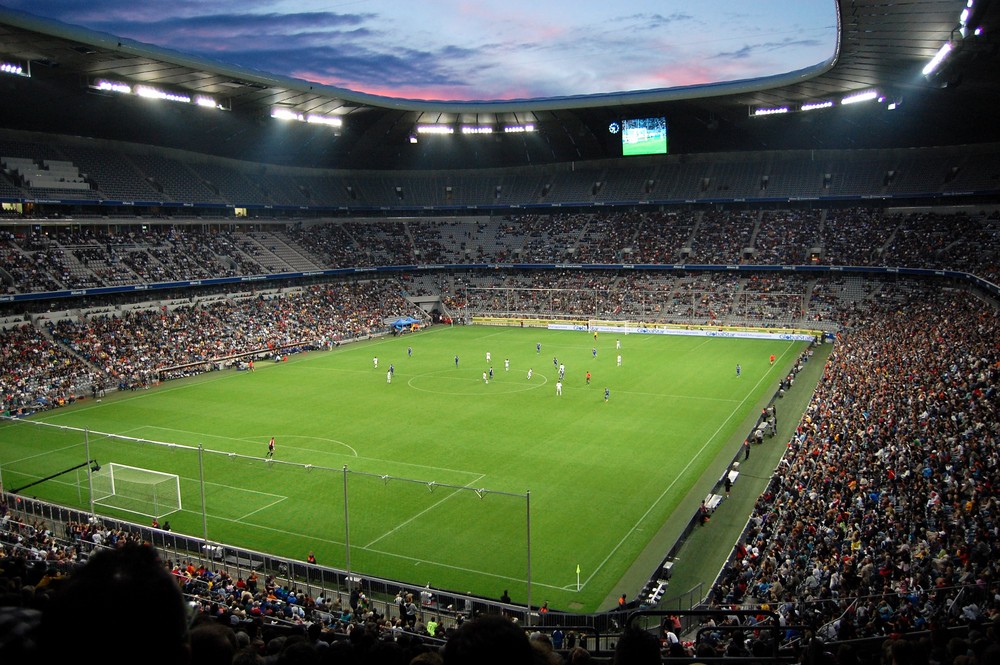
[883, 45]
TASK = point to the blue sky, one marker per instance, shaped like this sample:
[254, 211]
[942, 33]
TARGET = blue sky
[477, 49]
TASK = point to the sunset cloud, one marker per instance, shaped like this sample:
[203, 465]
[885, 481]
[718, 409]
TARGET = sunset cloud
[486, 50]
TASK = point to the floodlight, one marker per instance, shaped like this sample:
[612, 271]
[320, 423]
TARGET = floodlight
[206, 102]
[771, 111]
[150, 92]
[970, 16]
[114, 86]
[936, 61]
[13, 68]
[518, 129]
[282, 113]
[812, 106]
[331, 121]
[860, 97]
[476, 129]
[435, 129]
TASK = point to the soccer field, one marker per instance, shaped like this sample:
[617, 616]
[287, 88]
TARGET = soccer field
[446, 474]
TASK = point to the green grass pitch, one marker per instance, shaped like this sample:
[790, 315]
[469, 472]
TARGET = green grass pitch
[603, 476]
[654, 146]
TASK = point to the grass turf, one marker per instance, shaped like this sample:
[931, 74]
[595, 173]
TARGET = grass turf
[603, 476]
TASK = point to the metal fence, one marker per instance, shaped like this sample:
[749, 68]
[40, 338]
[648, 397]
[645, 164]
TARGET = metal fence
[352, 514]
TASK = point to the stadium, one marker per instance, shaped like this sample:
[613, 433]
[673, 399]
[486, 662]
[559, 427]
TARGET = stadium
[713, 366]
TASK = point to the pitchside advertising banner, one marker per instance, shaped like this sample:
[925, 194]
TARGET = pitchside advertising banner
[693, 332]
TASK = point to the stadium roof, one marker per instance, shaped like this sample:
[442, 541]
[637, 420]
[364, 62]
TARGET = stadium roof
[882, 47]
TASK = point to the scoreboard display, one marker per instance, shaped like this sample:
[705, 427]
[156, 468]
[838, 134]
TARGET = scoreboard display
[644, 136]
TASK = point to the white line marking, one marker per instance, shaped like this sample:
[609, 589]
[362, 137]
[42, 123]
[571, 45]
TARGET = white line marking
[422, 512]
[635, 527]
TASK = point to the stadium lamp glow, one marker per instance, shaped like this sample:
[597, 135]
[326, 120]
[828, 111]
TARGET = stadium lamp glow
[812, 106]
[435, 129]
[936, 61]
[330, 121]
[114, 86]
[476, 129]
[150, 92]
[206, 102]
[771, 111]
[518, 129]
[963, 19]
[868, 96]
[286, 114]
[12, 68]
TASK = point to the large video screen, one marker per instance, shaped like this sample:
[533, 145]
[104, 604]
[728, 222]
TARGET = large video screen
[644, 136]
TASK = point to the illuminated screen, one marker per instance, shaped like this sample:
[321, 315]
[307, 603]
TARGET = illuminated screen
[644, 136]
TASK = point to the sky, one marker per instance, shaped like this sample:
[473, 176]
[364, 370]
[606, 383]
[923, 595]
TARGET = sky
[477, 50]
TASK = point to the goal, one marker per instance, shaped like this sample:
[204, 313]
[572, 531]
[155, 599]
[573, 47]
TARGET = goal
[135, 490]
[617, 327]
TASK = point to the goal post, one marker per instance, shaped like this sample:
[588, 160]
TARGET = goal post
[618, 327]
[145, 492]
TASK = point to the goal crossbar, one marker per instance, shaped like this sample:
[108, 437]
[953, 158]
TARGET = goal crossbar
[141, 491]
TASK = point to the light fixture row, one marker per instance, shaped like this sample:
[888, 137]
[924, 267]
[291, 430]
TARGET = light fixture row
[853, 98]
[152, 92]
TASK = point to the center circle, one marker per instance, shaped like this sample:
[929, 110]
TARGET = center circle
[468, 382]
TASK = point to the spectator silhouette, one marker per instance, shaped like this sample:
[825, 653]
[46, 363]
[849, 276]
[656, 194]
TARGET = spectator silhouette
[637, 647]
[212, 644]
[489, 640]
[123, 600]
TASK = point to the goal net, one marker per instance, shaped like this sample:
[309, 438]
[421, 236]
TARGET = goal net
[615, 327]
[140, 491]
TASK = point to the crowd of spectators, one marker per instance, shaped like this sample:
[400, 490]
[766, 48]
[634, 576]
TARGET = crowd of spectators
[118, 348]
[786, 236]
[700, 298]
[60, 258]
[105, 584]
[882, 517]
[331, 244]
[720, 238]
[37, 373]
[661, 238]
[53, 362]
[856, 237]
[880, 521]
